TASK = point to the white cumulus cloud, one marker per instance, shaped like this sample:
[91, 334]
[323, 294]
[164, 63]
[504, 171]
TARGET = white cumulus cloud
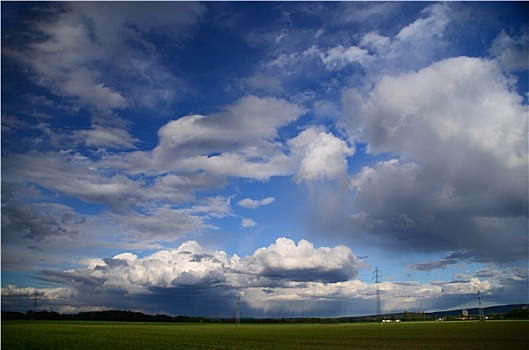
[284, 278]
[460, 133]
[254, 204]
[325, 158]
[191, 264]
[303, 262]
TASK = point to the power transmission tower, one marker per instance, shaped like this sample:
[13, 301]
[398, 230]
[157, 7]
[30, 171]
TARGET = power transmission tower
[480, 306]
[35, 299]
[238, 312]
[378, 278]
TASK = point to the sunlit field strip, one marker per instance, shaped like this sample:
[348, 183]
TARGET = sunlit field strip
[407, 335]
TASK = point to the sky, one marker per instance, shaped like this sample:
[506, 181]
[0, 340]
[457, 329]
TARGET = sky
[169, 157]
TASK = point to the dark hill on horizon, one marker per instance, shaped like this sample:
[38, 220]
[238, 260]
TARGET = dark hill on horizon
[499, 309]
[490, 310]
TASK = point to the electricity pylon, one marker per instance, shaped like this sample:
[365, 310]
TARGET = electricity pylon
[378, 278]
[35, 299]
[238, 311]
[480, 306]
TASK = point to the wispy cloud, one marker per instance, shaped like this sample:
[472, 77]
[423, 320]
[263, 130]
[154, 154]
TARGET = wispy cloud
[82, 41]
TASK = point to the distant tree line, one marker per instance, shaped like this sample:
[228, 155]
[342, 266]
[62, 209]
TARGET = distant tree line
[111, 315]
[416, 316]
[131, 316]
[517, 314]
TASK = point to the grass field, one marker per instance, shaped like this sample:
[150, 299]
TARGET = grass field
[56, 335]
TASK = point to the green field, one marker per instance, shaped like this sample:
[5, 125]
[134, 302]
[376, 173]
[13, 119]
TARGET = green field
[410, 335]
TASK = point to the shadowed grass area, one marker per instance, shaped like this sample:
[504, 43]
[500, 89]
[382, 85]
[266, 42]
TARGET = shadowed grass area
[407, 335]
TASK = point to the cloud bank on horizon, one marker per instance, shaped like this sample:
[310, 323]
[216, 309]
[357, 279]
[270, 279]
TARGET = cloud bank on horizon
[170, 157]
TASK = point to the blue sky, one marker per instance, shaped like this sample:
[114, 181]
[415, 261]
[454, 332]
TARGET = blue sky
[168, 157]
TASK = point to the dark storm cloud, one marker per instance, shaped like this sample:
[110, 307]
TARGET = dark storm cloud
[439, 264]
[22, 221]
[37, 231]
